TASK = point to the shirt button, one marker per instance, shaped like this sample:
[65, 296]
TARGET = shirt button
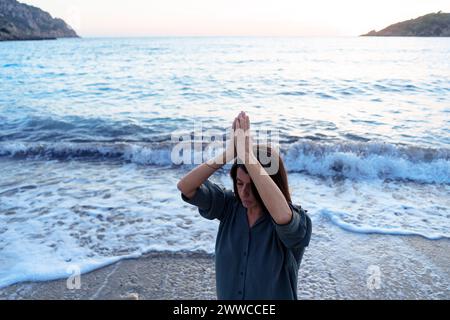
[242, 273]
[245, 253]
[239, 292]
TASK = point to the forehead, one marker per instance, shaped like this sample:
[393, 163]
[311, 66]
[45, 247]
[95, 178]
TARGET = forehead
[243, 176]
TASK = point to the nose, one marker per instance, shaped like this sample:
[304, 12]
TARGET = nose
[246, 191]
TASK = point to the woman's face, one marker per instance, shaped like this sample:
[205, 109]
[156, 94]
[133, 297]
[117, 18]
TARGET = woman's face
[244, 186]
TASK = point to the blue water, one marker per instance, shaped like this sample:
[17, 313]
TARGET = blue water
[86, 124]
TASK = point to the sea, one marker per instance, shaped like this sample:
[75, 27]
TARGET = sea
[87, 127]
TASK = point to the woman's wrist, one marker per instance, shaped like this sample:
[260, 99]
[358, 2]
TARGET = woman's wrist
[252, 157]
[212, 166]
[217, 162]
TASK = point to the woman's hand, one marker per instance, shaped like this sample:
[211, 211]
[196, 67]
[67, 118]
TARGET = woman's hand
[239, 145]
[230, 151]
[229, 154]
[243, 139]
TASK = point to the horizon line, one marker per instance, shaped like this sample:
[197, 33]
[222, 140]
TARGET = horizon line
[217, 36]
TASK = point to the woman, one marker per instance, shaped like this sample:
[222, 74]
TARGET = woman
[262, 235]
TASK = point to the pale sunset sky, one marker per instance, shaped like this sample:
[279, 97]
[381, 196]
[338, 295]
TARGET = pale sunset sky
[93, 18]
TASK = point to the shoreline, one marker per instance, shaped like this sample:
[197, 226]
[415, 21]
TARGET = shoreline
[191, 276]
[154, 276]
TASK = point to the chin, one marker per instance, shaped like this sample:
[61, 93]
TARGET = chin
[247, 205]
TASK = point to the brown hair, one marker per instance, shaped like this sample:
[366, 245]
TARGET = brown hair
[279, 177]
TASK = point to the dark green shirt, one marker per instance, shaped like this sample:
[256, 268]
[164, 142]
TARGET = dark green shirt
[260, 262]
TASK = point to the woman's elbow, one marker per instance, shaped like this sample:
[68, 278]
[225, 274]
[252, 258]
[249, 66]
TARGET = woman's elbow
[180, 185]
[183, 187]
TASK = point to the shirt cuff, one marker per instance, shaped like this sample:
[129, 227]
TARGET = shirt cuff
[291, 226]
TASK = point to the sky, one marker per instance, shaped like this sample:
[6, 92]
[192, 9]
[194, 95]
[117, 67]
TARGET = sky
[96, 18]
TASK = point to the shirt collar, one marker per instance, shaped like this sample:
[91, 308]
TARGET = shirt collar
[261, 219]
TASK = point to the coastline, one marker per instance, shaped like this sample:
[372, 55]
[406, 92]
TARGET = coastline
[155, 275]
[191, 276]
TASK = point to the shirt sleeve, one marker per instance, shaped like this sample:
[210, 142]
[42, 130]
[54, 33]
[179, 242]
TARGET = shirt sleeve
[212, 200]
[297, 232]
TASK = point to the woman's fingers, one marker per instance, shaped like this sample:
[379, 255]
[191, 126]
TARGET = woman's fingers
[242, 121]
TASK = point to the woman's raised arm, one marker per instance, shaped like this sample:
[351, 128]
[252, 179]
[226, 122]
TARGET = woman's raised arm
[190, 182]
[271, 195]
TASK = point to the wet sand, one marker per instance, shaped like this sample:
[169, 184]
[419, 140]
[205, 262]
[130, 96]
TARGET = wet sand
[157, 275]
[325, 273]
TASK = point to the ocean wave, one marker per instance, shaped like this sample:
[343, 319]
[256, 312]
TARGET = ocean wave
[369, 160]
[336, 218]
[151, 154]
[346, 160]
[75, 128]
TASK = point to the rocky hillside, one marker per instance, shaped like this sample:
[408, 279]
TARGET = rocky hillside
[19, 21]
[430, 25]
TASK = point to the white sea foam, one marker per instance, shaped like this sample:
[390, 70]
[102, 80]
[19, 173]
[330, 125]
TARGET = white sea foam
[358, 161]
[368, 161]
[338, 219]
[58, 214]
[85, 157]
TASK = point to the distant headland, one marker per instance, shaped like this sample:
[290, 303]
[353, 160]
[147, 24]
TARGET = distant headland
[20, 21]
[430, 25]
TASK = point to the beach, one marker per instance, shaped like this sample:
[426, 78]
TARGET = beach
[153, 276]
[187, 275]
[92, 149]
